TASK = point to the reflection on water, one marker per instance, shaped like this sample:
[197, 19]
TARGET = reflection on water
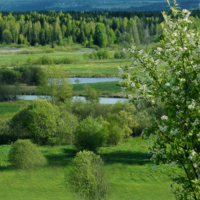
[102, 100]
[92, 80]
[84, 80]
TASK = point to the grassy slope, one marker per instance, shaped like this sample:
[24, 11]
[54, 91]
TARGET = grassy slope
[128, 167]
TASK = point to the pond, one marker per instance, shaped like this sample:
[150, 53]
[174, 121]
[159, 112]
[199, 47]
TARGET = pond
[92, 80]
[87, 50]
[102, 100]
[9, 49]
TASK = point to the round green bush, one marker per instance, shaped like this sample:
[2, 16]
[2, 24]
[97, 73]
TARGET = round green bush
[38, 121]
[106, 54]
[117, 55]
[89, 135]
[25, 155]
[87, 177]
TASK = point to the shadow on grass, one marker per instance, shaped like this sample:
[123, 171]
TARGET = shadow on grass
[126, 157]
[6, 168]
[61, 159]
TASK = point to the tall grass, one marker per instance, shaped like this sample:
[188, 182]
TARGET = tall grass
[46, 60]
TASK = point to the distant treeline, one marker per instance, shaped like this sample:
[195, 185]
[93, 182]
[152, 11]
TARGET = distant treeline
[88, 28]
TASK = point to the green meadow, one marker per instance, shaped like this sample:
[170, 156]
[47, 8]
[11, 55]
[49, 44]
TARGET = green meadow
[83, 68]
[8, 109]
[130, 174]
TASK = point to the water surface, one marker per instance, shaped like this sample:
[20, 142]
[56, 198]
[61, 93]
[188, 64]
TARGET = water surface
[102, 100]
[93, 80]
[9, 49]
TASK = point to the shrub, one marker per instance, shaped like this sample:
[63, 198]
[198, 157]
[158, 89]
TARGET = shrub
[32, 75]
[9, 76]
[7, 92]
[123, 54]
[106, 54]
[103, 54]
[89, 135]
[100, 54]
[115, 133]
[50, 50]
[31, 61]
[38, 121]
[143, 121]
[87, 177]
[5, 133]
[91, 94]
[117, 55]
[120, 55]
[45, 60]
[25, 155]
[69, 60]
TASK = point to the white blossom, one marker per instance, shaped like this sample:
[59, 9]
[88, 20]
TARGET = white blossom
[191, 106]
[121, 82]
[164, 117]
[195, 165]
[195, 122]
[133, 84]
[178, 106]
[159, 49]
[182, 80]
[193, 153]
[175, 88]
[167, 84]
[198, 135]
[163, 128]
[174, 132]
[130, 96]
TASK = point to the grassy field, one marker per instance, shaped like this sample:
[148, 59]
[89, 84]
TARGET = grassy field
[8, 109]
[83, 68]
[105, 89]
[128, 167]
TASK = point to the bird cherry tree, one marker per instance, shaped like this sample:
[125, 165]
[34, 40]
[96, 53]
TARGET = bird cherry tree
[172, 77]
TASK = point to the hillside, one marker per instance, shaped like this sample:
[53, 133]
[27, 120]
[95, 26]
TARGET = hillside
[87, 5]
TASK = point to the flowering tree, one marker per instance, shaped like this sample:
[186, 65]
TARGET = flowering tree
[176, 134]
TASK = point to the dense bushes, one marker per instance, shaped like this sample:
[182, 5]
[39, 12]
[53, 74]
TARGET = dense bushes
[8, 93]
[90, 135]
[87, 177]
[32, 75]
[9, 76]
[120, 55]
[50, 50]
[115, 133]
[99, 55]
[46, 123]
[5, 133]
[29, 75]
[46, 60]
[38, 121]
[25, 155]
